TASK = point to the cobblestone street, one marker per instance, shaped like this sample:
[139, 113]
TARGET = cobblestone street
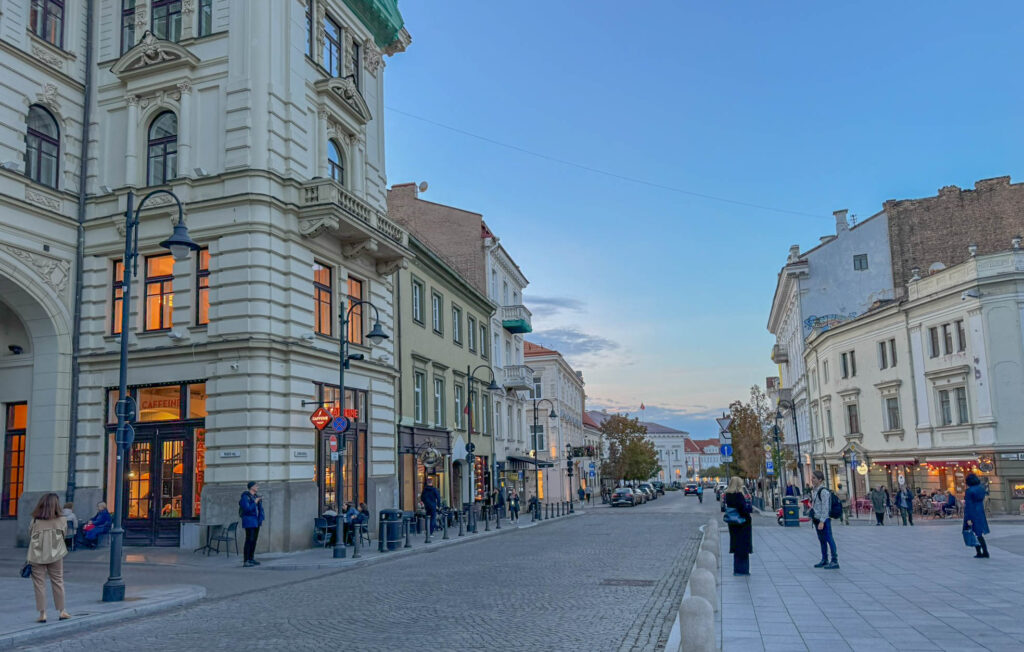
[609, 579]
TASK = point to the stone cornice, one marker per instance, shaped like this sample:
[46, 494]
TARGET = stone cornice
[26, 57]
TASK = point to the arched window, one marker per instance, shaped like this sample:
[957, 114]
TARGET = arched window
[162, 157]
[335, 162]
[42, 147]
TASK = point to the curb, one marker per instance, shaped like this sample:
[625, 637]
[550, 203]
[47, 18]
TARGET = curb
[349, 564]
[61, 629]
[696, 607]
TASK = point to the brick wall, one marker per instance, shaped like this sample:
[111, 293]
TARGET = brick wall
[452, 233]
[938, 229]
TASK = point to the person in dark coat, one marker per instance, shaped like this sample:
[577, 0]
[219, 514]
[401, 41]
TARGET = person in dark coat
[250, 508]
[431, 499]
[741, 536]
[877, 497]
[974, 513]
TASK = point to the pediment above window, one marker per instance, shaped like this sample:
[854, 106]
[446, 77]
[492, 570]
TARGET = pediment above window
[152, 54]
[341, 94]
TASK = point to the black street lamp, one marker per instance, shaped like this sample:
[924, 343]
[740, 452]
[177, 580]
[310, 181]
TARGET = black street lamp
[376, 336]
[536, 451]
[778, 453]
[568, 470]
[470, 447]
[181, 246]
[796, 432]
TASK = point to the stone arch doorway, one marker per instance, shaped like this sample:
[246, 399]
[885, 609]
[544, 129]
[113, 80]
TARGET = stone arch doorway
[35, 389]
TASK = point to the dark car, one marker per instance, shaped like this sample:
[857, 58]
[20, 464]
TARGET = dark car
[691, 488]
[647, 487]
[659, 487]
[623, 496]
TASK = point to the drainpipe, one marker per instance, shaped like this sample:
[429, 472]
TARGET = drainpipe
[83, 171]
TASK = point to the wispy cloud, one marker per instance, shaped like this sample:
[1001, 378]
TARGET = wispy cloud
[571, 342]
[550, 305]
[698, 420]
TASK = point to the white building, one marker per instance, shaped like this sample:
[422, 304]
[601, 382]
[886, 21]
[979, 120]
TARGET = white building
[927, 389]
[556, 381]
[823, 287]
[265, 119]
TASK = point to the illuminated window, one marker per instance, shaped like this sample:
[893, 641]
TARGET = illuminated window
[159, 292]
[203, 287]
[117, 298]
[158, 403]
[47, 20]
[14, 458]
[355, 320]
[323, 298]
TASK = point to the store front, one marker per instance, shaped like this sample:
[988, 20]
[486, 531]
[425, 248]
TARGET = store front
[353, 486]
[166, 463]
[422, 453]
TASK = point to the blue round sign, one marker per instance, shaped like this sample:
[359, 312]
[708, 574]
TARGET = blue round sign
[340, 424]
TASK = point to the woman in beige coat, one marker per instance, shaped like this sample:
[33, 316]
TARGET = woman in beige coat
[46, 551]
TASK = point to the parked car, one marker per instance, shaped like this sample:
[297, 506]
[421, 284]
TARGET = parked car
[623, 496]
[652, 493]
[691, 488]
[641, 497]
[659, 487]
[677, 484]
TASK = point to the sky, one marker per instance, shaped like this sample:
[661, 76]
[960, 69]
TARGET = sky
[649, 164]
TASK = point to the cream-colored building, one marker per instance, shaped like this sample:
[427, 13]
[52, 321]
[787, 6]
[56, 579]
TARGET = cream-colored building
[438, 345]
[265, 119]
[927, 389]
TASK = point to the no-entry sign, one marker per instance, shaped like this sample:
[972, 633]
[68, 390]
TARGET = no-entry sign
[332, 441]
[320, 418]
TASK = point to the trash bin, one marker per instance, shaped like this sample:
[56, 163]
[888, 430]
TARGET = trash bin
[391, 519]
[790, 512]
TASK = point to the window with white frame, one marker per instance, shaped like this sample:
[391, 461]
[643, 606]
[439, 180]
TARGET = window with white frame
[933, 342]
[417, 301]
[947, 339]
[538, 388]
[828, 422]
[457, 324]
[537, 438]
[961, 336]
[471, 332]
[892, 413]
[439, 403]
[418, 381]
[852, 419]
[436, 303]
[460, 408]
[497, 420]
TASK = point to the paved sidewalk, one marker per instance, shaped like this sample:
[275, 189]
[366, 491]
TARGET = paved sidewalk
[898, 588]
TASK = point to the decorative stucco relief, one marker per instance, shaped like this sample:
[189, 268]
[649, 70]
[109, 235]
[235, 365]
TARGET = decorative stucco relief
[53, 271]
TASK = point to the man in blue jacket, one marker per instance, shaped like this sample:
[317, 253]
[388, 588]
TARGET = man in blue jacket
[431, 499]
[250, 508]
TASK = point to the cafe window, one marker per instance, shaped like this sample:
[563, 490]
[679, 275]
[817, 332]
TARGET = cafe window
[203, 287]
[159, 403]
[159, 292]
[15, 427]
[355, 457]
[355, 315]
[323, 298]
[117, 298]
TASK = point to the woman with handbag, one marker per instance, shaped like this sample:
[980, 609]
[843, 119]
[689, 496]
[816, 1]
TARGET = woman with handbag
[741, 535]
[46, 551]
[975, 523]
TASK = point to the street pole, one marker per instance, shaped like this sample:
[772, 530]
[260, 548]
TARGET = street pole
[181, 246]
[536, 450]
[568, 470]
[796, 432]
[470, 457]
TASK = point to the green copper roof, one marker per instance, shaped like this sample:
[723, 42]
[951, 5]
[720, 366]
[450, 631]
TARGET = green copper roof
[381, 17]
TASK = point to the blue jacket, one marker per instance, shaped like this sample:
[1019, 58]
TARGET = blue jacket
[431, 498]
[252, 511]
[102, 521]
[974, 509]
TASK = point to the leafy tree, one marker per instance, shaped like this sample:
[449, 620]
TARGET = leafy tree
[631, 455]
[747, 437]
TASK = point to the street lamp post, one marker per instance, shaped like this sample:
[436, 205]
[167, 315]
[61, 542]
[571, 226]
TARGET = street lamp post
[181, 246]
[568, 470]
[470, 457]
[778, 455]
[796, 432]
[536, 450]
[376, 336]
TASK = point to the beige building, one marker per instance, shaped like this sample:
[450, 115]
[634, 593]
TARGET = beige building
[264, 118]
[924, 391]
[439, 345]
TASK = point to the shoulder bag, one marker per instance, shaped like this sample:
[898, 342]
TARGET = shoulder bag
[733, 516]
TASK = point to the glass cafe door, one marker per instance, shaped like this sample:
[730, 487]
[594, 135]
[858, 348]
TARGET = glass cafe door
[158, 486]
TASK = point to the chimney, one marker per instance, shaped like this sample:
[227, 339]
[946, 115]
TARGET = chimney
[826, 238]
[841, 224]
[794, 254]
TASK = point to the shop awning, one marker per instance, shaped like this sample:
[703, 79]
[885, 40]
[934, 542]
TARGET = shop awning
[523, 463]
[955, 459]
[894, 461]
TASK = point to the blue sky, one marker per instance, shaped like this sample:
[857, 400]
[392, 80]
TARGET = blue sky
[660, 295]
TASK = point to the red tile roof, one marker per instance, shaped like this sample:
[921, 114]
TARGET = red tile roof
[531, 349]
[691, 447]
[588, 421]
[702, 443]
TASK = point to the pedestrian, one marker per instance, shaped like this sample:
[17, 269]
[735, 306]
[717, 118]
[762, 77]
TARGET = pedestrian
[700, 493]
[790, 489]
[349, 520]
[590, 496]
[905, 503]
[888, 502]
[98, 525]
[431, 499]
[513, 506]
[582, 494]
[501, 502]
[250, 508]
[741, 533]
[820, 517]
[46, 551]
[974, 514]
[69, 515]
[877, 497]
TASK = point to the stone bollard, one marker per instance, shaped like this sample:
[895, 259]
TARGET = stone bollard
[380, 537]
[444, 526]
[487, 518]
[702, 583]
[696, 625]
[710, 545]
[708, 562]
[407, 528]
[461, 518]
[426, 522]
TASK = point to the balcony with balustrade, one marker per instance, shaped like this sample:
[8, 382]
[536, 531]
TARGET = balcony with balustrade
[517, 376]
[516, 319]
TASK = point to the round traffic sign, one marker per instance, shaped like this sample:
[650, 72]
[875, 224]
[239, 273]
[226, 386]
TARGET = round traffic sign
[470, 447]
[332, 441]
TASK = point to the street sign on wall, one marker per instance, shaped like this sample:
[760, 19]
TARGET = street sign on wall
[320, 418]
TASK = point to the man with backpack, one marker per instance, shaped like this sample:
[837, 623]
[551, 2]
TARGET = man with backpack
[823, 509]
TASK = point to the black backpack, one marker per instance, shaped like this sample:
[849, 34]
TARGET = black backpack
[835, 506]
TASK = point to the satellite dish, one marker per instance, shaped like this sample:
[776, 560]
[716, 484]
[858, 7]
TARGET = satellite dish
[423, 186]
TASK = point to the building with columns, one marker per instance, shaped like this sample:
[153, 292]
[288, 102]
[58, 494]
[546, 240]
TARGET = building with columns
[265, 120]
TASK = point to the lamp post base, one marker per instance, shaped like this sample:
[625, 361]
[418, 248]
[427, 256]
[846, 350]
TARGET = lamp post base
[113, 591]
[339, 552]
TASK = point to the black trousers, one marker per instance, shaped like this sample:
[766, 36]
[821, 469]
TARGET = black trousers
[982, 548]
[251, 535]
[879, 516]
